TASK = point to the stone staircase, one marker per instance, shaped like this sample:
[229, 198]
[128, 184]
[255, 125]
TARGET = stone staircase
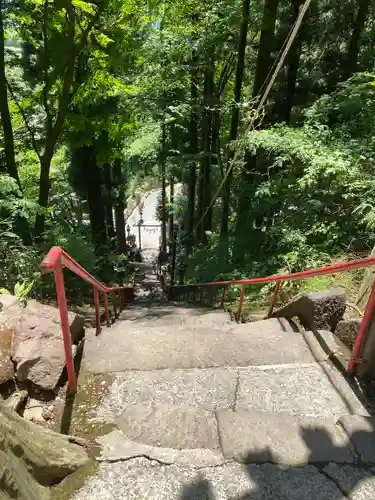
[204, 408]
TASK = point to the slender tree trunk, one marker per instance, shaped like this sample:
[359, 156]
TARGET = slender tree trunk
[163, 160]
[203, 150]
[107, 178]
[235, 113]
[171, 213]
[120, 206]
[266, 44]
[10, 158]
[21, 225]
[292, 63]
[207, 192]
[193, 140]
[54, 131]
[354, 42]
[263, 65]
[215, 150]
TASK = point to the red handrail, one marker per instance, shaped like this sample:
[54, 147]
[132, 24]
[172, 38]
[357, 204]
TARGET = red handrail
[55, 260]
[339, 267]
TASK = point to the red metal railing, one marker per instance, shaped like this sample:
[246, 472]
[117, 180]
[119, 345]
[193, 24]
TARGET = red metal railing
[178, 292]
[55, 261]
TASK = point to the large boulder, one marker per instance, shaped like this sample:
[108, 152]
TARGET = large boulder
[316, 310]
[37, 345]
[33, 458]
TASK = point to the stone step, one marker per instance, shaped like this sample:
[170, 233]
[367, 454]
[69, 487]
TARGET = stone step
[170, 426]
[243, 436]
[315, 389]
[134, 347]
[259, 437]
[142, 478]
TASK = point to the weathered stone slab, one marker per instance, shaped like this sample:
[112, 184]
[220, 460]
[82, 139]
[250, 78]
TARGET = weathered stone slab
[144, 479]
[293, 389]
[211, 389]
[361, 431]
[266, 342]
[169, 426]
[317, 310]
[116, 446]
[259, 437]
[355, 482]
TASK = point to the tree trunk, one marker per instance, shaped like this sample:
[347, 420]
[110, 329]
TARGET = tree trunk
[171, 212]
[235, 114]
[85, 156]
[107, 178]
[44, 187]
[54, 131]
[120, 206]
[354, 42]
[284, 104]
[293, 61]
[193, 140]
[266, 45]
[10, 158]
[263, 65]
[33, 458]
[204, 191]
[163, 159]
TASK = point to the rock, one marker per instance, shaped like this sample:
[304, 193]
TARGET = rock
[33, 458]
[317, 310]
[37, 343]
[47, 414]
[34, 414]
[7, 300]
[347, 330]
[6, 365]
[52, 314]
[16, 400]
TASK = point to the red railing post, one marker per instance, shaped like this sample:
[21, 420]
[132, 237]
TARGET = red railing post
[97, 311]
[107, 317]
[362, 331]
[65, 327]
[274, 298]
[223, 296]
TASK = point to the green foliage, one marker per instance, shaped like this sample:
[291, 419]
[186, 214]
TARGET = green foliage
[111, 76]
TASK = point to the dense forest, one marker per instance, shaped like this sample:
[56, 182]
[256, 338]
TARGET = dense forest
[262, 109]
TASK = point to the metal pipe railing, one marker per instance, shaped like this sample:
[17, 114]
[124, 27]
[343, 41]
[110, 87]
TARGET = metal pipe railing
[55, 260]
[339, 267]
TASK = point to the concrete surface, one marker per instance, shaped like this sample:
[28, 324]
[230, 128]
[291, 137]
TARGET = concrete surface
[116, 446]
[301, 389]
[209, 389]
[170, 426]
[362, 434]
[133, 347]
[280, 438]
[357, 483]
[144, 479]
